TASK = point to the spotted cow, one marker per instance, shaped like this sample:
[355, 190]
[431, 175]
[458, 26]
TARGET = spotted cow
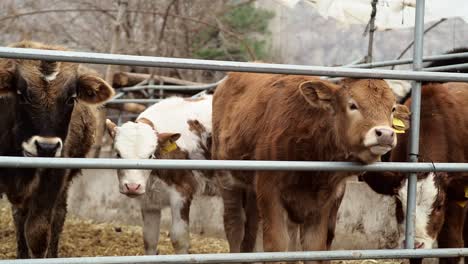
[441, 198]
[175, 128]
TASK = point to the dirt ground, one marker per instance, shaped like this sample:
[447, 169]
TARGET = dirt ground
[83, 238]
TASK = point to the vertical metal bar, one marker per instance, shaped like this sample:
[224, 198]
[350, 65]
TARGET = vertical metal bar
[371, 25]
[414, 133]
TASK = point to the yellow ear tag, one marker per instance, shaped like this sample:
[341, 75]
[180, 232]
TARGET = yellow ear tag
[398, 126]
[169, 147]
[466, 191]
[462, 204]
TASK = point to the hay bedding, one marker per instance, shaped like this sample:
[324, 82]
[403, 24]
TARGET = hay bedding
[84, 238]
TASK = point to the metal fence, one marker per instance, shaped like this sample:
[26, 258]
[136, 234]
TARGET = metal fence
[416, 74]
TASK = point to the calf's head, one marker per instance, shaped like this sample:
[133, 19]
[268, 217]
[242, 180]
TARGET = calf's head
[363, 111]
[44, 94]
[431, 199]
[138, 140]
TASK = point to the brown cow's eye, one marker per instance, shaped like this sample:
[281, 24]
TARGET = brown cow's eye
[23, 99]
[393, 110]
[71, 100]
[353, 106]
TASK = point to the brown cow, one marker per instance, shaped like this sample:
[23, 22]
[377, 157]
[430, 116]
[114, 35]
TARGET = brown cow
[441, 198]
[280, 117]
[47, 109]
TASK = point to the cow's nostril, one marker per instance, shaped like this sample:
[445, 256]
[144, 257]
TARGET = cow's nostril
[378, 132]
[418, 244]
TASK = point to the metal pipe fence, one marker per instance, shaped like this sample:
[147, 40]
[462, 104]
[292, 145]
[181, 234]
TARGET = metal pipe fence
[197, 64]
[417, 74]
[256, 257]
[415, 125]
[137, 101]
[27, 162]
[379, 64]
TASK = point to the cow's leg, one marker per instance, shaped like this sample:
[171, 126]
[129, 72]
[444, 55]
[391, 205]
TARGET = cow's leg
[60, 213]
[38, 226]
[465, 234]
[294, 237]
[451, 235]
[339, 194]
[315, 231]
[151, 225]
[274, 223]
[233, 218]
[251, 222]
[180, 233]
[19, 217]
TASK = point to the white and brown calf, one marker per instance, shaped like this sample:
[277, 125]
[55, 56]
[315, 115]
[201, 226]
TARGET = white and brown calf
[175, 128]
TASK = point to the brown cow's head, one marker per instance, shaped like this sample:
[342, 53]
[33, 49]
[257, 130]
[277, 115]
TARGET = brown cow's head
[431, 198]
[44, 94]
[363, 111]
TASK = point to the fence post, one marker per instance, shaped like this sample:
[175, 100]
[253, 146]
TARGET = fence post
[415, 118]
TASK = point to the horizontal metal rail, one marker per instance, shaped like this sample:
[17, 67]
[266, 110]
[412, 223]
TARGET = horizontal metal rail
[118, 95]
[27, 162]
[459, 66]
[409, 61]
[170, 87]
[116, 59]
[137, 101]
[257, 257]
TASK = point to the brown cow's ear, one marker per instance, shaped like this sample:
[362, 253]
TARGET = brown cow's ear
[6, 79]
[111, 128]
[93, 90]
[401, 117]
[168, 137]
[167, 142]
[318, 93]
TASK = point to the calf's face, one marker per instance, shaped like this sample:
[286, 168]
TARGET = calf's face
[44, 94]
[430, 209]
[137, 140]
[363, 111]
[430, 203]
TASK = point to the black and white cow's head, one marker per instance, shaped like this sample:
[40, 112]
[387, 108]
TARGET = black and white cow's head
[44, 95]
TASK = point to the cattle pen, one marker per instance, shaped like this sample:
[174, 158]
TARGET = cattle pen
[418, 74]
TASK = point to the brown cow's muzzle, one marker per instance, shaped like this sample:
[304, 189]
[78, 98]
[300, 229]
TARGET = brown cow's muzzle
[38, 146]
[380, 140]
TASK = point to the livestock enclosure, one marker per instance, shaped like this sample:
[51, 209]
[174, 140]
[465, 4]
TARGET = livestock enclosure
[418, 74]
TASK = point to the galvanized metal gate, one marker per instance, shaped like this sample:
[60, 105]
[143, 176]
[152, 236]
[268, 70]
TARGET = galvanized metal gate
[418, 74]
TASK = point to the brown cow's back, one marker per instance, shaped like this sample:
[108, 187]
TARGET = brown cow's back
[264, 117]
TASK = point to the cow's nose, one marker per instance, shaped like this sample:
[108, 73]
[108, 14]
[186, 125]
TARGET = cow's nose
[384, 136]
[132, 188]
[45, 149]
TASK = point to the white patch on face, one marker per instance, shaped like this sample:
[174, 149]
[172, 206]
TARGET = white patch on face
[379, 146]
[135, 141]
[51, 76]
[30, 146]
[425, 197]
